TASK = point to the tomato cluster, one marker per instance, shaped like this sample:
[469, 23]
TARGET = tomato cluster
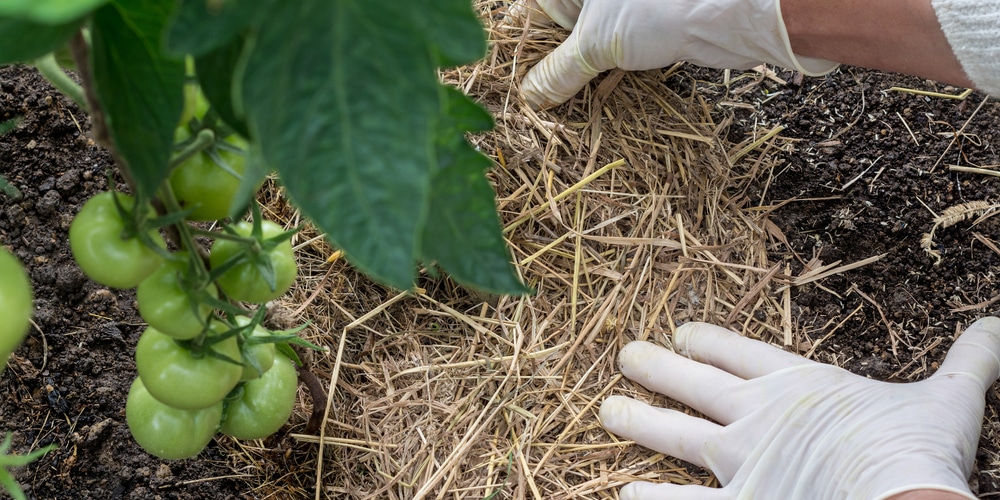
[205, 364]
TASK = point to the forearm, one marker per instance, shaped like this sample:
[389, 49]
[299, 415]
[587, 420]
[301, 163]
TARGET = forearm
[890, 35]
[927, 495]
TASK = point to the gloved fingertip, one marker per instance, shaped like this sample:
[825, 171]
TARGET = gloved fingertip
[612, 409]
[534, 92]
[630, 491]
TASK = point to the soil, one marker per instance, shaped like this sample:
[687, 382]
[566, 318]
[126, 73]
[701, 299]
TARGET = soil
[863, 175]
[863, 170]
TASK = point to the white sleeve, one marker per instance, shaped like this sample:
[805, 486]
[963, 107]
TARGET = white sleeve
[973, 30]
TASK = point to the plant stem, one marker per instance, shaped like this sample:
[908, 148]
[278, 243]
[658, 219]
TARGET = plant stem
[80, 48]
[201, 142]
[187, 241]
[318, 396]
[50, 69]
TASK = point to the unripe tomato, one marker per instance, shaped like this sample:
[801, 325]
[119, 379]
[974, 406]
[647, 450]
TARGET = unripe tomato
[203, 185]
[244, 281]
[96, 239]
[178, 377]
[168, 432]
[15, 305]
[262, 354]
[167, 306]
[266, 403]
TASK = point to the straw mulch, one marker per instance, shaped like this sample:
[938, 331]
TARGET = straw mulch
[626, 211]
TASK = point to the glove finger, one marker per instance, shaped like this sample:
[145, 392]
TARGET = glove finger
[563, 12]
[641, 490]
[559, 76]
[521, 10]
[545, 12]
[667, 431]
[732, 352]
[702, 387]
[976, 352]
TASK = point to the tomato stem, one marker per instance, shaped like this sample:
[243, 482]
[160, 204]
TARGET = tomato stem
[184, 231]
[201, 142]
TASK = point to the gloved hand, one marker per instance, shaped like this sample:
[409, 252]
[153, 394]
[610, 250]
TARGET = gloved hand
[649, 34]
[792, 428]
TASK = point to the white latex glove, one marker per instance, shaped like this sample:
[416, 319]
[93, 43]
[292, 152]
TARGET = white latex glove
[650, 34]
[796, 429]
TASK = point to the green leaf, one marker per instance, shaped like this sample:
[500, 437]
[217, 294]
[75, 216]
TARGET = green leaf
[345, 111]
[140, 89]
[453, 29]
[48, 11]
[463, 233]
[219, 74]
[348, 112]
[26, 40]
[199, 26]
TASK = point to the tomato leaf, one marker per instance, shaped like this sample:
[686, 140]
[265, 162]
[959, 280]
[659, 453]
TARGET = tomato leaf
[47, 11]
[349, 113]
[463, 233]
[198, 27]
[139, 87]
[33, 39]
[462, 41]
[218, 73]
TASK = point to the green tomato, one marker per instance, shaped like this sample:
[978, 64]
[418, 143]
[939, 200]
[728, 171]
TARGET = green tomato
[96, 239]
[15, 304]
[181, 378]
[166, 304]
[244, 281]
[262, 354]
[204, 186]
[266, 403]
[167, 432]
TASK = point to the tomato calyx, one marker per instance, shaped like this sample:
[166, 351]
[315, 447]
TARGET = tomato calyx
[256, 249]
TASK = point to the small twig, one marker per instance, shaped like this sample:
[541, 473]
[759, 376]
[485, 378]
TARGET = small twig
[959, 134]
[927, 93]
[973, 170]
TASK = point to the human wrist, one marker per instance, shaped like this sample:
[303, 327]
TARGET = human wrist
[891, 35]
[929, 494]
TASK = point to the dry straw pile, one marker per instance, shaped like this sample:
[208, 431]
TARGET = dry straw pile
[626, 210]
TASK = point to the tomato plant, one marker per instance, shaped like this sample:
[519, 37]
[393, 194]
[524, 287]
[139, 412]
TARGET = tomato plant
[378, 162]
[167, 432]
[264, 404]
[107, 247]
[169, 301]
[186, 377]
[248, 280]
[15, 304]
[206, 183]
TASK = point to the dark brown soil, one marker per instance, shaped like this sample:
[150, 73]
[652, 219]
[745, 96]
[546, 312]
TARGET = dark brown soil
[858, 183]
[67, 384]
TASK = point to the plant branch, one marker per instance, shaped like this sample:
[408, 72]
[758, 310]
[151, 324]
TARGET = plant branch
[50, 69]
[318, 396]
